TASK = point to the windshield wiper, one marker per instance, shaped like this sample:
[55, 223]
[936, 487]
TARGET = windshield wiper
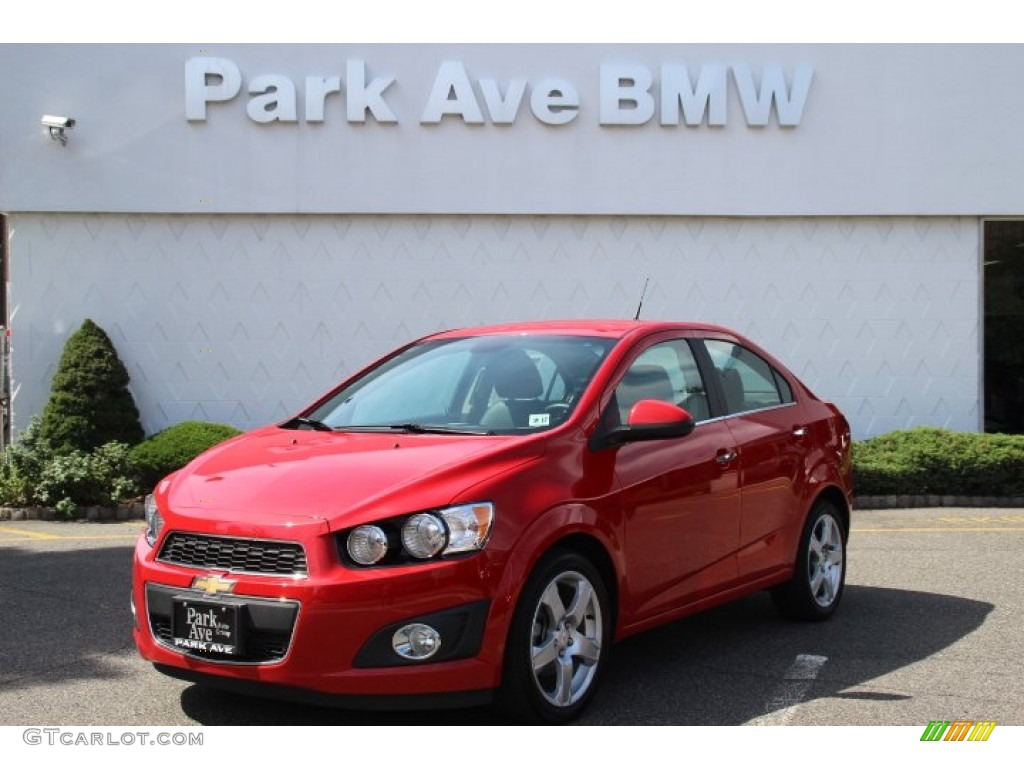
[303, 421]
[415, 429]
[438, 429]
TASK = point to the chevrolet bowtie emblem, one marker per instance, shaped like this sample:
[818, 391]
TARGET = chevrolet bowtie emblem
[212, 585]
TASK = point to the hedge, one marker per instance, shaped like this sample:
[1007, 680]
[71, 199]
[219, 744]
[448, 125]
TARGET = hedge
[34, 474]
[175, 447]
[929, 460]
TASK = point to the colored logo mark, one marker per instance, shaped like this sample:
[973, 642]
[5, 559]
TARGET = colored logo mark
[212, 585]
[958, 730]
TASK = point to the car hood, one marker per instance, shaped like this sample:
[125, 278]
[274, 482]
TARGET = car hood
[344, 478]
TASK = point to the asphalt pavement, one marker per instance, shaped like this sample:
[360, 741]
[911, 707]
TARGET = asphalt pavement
[930, 628]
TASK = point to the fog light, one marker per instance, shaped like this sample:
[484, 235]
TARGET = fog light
[367, 544]
[416, 641]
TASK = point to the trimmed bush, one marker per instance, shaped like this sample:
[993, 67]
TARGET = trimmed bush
[928, 460]
[175, 447]
[32, 474]
[90, 404]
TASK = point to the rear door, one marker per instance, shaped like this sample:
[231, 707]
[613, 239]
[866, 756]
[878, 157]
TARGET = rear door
[765, 422]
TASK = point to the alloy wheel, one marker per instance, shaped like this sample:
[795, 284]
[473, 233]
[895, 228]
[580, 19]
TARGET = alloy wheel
[565, 640]
[825, 560]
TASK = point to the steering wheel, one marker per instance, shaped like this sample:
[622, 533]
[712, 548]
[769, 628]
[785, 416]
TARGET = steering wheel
[558, 411]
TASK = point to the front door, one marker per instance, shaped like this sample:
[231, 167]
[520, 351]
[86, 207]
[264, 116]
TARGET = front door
[680, 496]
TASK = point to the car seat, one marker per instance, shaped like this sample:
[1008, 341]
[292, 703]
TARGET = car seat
[517, 383]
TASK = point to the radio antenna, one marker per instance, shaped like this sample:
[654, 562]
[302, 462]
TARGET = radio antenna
[642, 294]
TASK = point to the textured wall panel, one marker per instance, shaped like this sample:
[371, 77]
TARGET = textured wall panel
[244, 319]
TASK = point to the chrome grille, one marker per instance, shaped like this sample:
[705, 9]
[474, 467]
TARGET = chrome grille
[223, 553]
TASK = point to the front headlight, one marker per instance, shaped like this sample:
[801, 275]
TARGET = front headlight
[367, 544]
[468, 526]
[423, 536]
[419, 537]
[154, 522]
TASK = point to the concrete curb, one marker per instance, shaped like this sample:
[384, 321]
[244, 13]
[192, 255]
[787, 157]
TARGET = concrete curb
[933, 500]
[129, 511]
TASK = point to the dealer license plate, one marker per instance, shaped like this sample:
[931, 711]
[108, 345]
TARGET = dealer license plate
[207, 627]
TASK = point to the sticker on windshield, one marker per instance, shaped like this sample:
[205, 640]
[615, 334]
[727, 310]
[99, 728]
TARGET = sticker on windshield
[540, 419]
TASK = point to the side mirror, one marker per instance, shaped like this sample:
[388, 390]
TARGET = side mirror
[648, 420]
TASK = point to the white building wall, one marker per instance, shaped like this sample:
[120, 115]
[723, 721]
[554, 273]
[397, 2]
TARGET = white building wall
[246, 318]
[887, 130]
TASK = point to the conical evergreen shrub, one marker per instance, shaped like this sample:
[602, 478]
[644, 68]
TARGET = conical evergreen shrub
[89, 399]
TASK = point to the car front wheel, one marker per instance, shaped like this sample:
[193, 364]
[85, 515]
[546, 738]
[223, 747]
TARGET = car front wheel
[558, 641]
[820, 574]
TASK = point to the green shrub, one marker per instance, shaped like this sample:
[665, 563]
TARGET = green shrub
[65, 480]
[32, 474]
[175, 447]
[928, 460]
[90, 404]
[103, 477]
[22, 466]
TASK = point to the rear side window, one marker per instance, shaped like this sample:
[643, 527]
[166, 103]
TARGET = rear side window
[748, 381]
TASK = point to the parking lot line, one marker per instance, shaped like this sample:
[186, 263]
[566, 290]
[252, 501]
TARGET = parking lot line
[3, 539]
[30, 534]
[792, 691]
[125, 532]
[123, 537]
[937, 530]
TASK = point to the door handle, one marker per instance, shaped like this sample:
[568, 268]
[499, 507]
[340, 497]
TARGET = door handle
[799, 432]
[725, 457]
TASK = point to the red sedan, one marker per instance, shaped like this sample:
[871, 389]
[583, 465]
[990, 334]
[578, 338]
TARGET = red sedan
[480, 514]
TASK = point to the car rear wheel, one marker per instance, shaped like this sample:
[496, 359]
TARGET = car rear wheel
[817, 585]
[558, 642]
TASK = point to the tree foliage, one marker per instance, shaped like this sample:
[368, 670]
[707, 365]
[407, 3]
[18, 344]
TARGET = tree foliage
[90, 404]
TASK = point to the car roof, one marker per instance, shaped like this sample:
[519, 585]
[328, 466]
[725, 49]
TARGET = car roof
[615, 329]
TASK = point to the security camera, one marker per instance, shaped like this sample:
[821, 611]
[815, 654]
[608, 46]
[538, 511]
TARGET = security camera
[57, 124]
[56, 121]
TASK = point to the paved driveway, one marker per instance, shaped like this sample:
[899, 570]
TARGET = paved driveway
[930, 628]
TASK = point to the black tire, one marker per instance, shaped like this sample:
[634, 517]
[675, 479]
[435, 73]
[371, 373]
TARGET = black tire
[553, 663]
[820, 572]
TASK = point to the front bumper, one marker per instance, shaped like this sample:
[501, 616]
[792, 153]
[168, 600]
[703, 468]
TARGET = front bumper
[328, 634]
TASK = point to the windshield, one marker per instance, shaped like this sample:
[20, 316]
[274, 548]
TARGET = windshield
[480, 385]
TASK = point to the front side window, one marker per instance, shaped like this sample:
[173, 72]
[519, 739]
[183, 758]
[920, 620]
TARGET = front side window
[667, 372]
[749, 383]
[489, 384]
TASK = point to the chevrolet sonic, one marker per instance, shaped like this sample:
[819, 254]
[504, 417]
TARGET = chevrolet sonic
[480, 514]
